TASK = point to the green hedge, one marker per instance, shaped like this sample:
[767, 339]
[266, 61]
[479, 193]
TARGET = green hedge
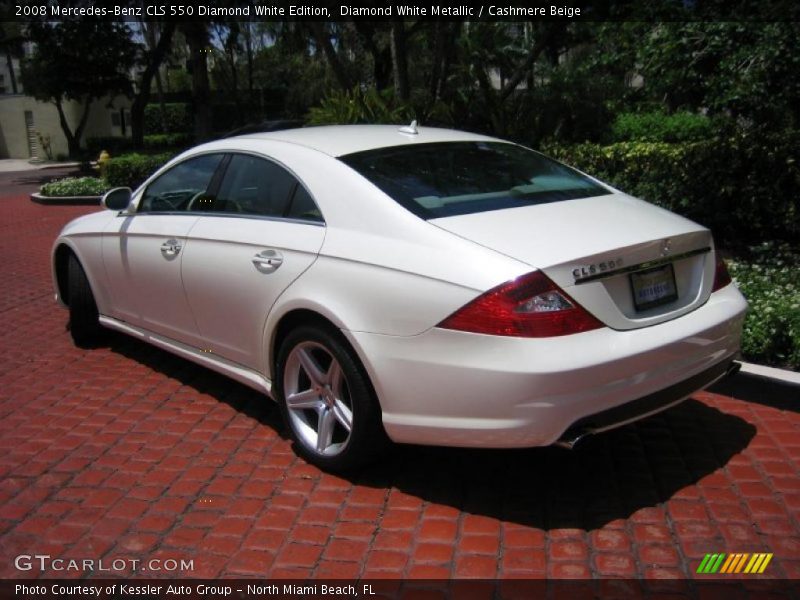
[75, 186]
[162, 141]
[130, 170]
[177, 118]
[768, 276]
[660, 127]
[746, 188]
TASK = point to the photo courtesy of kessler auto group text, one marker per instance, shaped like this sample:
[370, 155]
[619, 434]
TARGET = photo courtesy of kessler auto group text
[399, 300]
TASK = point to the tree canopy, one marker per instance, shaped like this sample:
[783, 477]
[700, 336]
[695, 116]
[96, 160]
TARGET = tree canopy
[78, 59]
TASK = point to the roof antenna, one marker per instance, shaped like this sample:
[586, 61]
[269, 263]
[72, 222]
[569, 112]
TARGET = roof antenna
[410, 129]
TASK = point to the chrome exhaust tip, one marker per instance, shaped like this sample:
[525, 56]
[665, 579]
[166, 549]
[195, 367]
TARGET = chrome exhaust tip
[571, 439]
[733, 368]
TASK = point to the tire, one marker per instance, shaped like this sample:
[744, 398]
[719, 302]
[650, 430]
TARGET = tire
[324, 398]
[83, 318]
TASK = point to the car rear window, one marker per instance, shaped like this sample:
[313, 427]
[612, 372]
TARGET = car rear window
[459, 178]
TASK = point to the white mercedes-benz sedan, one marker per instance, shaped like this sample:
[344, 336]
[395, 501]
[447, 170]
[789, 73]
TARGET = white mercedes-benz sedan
[411, 284]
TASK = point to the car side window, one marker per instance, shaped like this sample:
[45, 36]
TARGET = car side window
[303, 206]
[254, 186]
[184, 187]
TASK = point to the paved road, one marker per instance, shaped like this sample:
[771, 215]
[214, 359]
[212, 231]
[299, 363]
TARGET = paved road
[127, 452]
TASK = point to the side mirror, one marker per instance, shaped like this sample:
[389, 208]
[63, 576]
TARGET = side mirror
[117, 199]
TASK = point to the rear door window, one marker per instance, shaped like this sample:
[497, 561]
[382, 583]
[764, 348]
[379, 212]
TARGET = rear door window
[255, 186]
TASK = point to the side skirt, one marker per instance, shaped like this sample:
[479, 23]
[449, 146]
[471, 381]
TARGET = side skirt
[221, 365]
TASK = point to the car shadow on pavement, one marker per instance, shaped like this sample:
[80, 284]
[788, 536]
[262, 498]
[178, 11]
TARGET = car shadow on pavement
[770, 392]
[26, 182]
[205, 381]
[607, 477]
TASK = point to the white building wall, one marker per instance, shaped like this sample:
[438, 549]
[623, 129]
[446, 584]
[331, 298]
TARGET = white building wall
[14, 136]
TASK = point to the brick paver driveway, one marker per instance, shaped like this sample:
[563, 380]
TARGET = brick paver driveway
[127, 452]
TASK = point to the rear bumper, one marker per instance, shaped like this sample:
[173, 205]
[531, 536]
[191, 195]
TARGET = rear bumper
[453, 388]
[644, 407]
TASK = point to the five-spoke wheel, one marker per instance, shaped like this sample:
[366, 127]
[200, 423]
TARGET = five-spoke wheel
[318, 398]
[327, 400]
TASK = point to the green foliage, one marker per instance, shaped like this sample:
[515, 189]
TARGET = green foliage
[660, 127]
[78, 59]
[750, 70]
[743, 187]
[360, 106]
[175, 118]
[770, 280]
[130, 170]
[163, 141]
[75, 186]
[113, 145]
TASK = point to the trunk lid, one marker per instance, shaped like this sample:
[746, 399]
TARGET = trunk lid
[629, 263]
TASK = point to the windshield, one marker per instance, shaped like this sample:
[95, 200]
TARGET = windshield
[459, 178]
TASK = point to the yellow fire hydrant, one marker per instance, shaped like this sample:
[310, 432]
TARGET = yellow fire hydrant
[101, 162]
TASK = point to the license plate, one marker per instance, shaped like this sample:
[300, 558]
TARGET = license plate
[653, 287]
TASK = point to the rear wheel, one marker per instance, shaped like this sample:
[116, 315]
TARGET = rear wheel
[83, 318]
[327, 401]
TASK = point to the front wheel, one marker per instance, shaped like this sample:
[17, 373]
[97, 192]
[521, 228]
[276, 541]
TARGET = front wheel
[83, 318]
[327, 401]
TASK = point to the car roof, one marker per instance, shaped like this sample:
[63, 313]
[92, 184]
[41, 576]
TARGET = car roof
[338, 140]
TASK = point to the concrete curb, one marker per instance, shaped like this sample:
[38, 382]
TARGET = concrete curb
[66, 200]
[783, 375]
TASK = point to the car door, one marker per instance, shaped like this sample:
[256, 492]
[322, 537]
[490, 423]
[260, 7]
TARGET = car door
[142, 251]
[262, 232]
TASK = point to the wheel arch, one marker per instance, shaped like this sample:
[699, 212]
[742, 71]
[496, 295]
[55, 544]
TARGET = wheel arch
[291, 319]
[304, 316]
[62, 250]
[61, 256]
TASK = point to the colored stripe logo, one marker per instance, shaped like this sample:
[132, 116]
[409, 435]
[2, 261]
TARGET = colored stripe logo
[734, 563]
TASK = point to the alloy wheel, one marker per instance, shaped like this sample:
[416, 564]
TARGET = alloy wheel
[318, 400]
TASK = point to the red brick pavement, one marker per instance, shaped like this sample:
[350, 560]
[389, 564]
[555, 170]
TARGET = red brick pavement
[127, 452]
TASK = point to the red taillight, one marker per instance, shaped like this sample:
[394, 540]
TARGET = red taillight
[721, 275]
[529, 306]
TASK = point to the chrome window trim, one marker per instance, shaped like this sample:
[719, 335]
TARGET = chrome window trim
[140, 191]
[197, 213]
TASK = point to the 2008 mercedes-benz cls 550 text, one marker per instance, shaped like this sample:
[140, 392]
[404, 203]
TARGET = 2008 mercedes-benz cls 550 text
[411, 284]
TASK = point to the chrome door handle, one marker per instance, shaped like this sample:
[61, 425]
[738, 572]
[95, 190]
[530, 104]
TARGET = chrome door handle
[268, 260]
[170, 248]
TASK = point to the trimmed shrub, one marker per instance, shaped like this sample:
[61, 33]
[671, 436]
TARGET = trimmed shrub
[768, 277]
[113, 145]
[176, 118]
[75, 186]
[162, 141]
[660, 127]
[130, 170]
[744, 187]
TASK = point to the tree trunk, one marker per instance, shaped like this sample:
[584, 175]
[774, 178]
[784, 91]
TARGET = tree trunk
[11, 74]
[248, 48]
[323, 41]
[399, 60]
[197, 38]
[536, 50]
[381, 57]
[438, 60]
[143, 97]
[73, 139]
